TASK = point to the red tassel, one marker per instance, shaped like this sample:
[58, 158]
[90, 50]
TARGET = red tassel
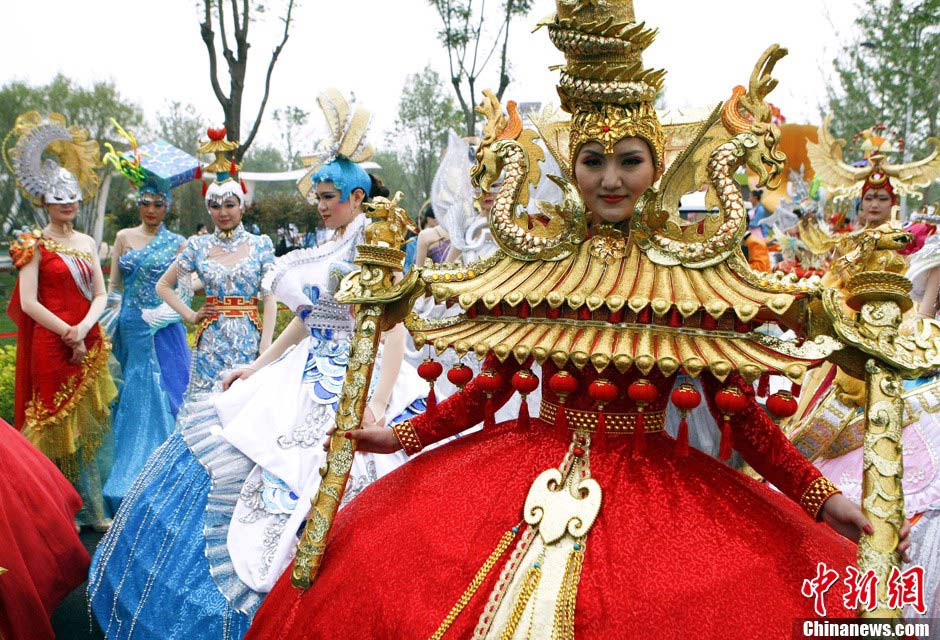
[682, 439]
[432, 399]
[523, 420]
[727, 443]
[763, 385]
[639, 434]
[489, 413]
[561, 421]
[205, 188]
[198, 175]
[601, 427]
[244, 186]
[795, 390]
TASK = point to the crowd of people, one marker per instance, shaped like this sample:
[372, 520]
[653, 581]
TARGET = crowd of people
[158, 406]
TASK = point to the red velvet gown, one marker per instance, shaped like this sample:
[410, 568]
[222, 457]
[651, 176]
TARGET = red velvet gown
[42, 555]
[681, 545]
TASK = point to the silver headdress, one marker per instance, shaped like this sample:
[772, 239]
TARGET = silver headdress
[57, 182]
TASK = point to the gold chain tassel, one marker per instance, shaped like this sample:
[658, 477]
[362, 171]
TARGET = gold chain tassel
[478, 579]
[568, 594]
[529, 585]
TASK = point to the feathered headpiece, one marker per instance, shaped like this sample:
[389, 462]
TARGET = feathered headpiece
[65, 181]
[130, 167]
[876, 172]
[336, 157]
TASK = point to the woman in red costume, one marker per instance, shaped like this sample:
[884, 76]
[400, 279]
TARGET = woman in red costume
[40, 553]
[63, 384]
[588, 521]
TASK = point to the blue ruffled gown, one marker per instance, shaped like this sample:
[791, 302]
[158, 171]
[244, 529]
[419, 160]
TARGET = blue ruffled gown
[154, 365]
[148, 579]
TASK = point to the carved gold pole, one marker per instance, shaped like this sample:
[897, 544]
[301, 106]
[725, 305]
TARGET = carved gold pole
[373, 288]
[882, 497]
[881, 297]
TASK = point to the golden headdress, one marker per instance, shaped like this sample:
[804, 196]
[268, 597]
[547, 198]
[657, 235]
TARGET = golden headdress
[604, 84]
[846, 180]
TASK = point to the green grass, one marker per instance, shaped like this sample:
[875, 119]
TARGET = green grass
[7, 280]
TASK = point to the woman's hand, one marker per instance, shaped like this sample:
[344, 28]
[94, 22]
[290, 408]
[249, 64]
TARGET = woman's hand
[78, 353]
[847, 519]
[369, 420]
[75, 335]
[369, 439]
[208, 310]
[239, 374]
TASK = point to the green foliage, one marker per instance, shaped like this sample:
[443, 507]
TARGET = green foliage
[88, 107]
[276, 210]
[7, 380]
[474, 36]
[878, 74]
[396, 178]
[290, 120]
[425, 114]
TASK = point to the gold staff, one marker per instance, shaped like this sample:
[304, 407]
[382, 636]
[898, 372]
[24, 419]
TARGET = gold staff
[382, 303]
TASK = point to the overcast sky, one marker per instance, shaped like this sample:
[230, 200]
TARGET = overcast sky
[153, 52]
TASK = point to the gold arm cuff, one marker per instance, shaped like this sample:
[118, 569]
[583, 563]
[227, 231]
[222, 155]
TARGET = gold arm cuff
[818, 491]
[407, 437]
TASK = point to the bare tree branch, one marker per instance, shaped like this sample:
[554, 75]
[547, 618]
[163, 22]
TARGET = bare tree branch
[267, 79]
[209, 38]
[503, 76]
[223, 30]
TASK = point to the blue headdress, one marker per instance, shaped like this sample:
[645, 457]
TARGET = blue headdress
[346, 176]
[336, 158]
[155, 168]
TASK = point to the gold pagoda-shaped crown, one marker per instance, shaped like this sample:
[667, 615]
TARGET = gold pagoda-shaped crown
[604, 84]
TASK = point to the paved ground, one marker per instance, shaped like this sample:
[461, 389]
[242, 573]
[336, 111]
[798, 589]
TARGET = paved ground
[71, 621]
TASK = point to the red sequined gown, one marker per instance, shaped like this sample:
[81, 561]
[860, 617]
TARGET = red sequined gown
[42, 555]
[681, 545]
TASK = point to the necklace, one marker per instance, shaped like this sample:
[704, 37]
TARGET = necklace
[229, 240]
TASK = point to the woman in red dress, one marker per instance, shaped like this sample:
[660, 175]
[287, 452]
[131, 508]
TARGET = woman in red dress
[63, 384]
[39, 549]
[595, 524]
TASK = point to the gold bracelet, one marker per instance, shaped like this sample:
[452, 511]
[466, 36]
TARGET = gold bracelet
[407, 437]
[816, 494]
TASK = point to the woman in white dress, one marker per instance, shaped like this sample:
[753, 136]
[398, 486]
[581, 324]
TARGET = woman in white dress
[276, 410]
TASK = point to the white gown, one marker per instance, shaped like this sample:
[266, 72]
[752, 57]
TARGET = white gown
[276, 423]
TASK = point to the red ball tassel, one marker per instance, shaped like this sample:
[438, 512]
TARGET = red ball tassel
[795, 390]
[205, 188]
[639, 433]
[198, 175]
[523, 420]
[489, 413]
[432, 399]
[727, 440]
[601, 426]
[763, 385]
[561, 421]
[682, 439]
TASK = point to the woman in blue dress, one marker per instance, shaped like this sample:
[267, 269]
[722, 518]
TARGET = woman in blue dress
[148, 339]
[150, 577]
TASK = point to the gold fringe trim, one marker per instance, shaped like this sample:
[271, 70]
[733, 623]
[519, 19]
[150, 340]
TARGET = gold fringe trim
[529, 585]
[568, 594]
[71, 436]
[478, 579]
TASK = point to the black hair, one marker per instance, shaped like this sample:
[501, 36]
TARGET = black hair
[200, 227]
[758, 193]
[378, 189]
